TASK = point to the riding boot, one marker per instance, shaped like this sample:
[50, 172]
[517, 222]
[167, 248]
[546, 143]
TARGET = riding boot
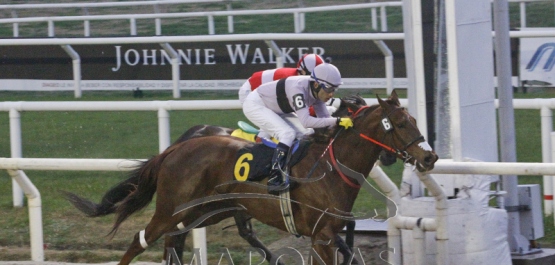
[279, 179]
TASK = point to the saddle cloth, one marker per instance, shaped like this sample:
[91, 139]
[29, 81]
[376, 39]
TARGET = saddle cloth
[254, 161]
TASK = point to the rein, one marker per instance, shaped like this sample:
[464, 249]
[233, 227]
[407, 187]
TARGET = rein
[401, 154]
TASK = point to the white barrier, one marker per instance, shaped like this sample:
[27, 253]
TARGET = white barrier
[297, 16]
[443, 167]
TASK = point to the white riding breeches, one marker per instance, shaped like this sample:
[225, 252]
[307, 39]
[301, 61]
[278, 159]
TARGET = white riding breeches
[285, 127]
[244, 91]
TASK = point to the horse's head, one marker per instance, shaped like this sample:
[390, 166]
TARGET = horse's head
[349, 105]
[399, 133]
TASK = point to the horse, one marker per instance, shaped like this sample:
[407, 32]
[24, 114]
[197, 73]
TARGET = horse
[119, 192]
[196, 187]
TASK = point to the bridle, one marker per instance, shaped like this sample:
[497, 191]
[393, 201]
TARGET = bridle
[388, 127]
[402, 154]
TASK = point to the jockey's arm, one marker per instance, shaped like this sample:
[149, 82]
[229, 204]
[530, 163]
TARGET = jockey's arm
[312, 122]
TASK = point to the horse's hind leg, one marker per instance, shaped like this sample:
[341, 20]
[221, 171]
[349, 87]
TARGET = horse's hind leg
[153, 231]
[246, 232]
[177, 243]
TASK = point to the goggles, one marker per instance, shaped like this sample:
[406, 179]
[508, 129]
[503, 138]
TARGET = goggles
[325, 85]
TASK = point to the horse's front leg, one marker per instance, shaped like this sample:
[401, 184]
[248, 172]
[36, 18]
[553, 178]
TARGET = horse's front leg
[242, 220]
[348, 257]
[323, 247]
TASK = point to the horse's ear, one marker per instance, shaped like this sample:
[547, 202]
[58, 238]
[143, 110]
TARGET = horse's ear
[384, 104]
[394, 98]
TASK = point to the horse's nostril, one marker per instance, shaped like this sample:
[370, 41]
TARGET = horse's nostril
[430, 159]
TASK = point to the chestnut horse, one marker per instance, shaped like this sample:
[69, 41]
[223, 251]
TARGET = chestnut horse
[116, 194]
[195, 186]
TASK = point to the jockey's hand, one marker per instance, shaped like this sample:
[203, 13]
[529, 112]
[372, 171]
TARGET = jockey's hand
[345, 122]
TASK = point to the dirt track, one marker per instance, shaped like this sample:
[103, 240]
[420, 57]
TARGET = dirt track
[371, 245]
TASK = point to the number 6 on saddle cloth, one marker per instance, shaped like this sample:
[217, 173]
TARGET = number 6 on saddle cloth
[254, 161]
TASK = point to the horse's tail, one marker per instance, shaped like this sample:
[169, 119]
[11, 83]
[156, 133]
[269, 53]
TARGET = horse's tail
[140, 197]
[108, 203]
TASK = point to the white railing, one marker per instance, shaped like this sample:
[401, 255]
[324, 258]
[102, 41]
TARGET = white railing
[15, 167]
[522, 9]
[297, 16]
[17, 164]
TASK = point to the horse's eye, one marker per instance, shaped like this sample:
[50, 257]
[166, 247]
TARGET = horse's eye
[402, 124]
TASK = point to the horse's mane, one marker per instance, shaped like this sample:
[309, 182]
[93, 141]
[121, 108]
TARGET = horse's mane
[349, 105]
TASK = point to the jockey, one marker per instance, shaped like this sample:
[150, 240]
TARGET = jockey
[281, 108]
[304, 67]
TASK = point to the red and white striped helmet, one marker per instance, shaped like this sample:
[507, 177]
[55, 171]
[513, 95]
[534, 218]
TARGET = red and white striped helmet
[308, 62]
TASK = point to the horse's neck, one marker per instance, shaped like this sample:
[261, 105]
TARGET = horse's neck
[356, 153]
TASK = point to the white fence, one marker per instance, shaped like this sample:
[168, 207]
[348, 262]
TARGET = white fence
[16, 164]
[297, 15]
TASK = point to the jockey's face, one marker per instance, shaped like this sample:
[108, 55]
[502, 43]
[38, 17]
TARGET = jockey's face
[325, 96]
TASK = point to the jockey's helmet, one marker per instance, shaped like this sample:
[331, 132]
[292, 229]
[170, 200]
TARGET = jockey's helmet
[327, 77]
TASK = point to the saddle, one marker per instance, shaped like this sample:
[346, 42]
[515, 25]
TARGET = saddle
[254, 161]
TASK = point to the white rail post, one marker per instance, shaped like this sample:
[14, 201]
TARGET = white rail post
[76, 61]
[388, 58]
[175, 68]
[163, 129]
[15, 25]
[133, 26]
[383, 17]
[522, 14]
[230, 27]
[296, 20]
[86, 23]
[211, 27]
[374, 18]
[158, 26]
[51, 28]
[35, 213]
[199, 234]
[16, 152]
[547, 157]
[157, 21]
[552, 159]
[87, 28]
[279, 57]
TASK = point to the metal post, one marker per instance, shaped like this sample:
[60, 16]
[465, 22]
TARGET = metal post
[547, 157]
[76, 60]
[517, 243]
[211, 29]
[16, 152]
[522, 14]
[163, 129]
[133, 26]
[297, 22]
[175, 68]
[15, 25]
[86, 24]
[50, 28]
[279, 57]
[383, 17]
[230, 28]
[552, 135]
